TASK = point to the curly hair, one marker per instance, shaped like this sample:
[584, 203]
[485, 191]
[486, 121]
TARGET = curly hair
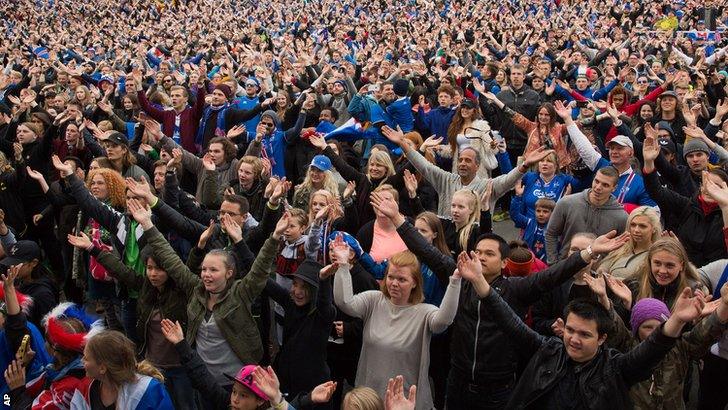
[114, 183]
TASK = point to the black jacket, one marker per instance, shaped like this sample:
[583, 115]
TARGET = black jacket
[301, 363]
[45, 297]
[701, 234]
[603, 382]
[524, 101]
[480, 350]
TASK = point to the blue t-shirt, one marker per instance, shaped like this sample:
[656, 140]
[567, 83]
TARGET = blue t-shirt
[247, 103]
[274, 148]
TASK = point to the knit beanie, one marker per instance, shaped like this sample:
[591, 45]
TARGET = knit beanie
[646, 309]
[401, 87]
[225, 90]
[695, 145]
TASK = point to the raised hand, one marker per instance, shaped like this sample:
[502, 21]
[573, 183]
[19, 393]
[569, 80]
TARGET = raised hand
[519, 188]
[34, 174]
[721, 109]
[232, 228]
[534, 157]
[176, 158]
[386, 206]
[558, 327]
[15, 375]
[272, 183]
[410, 182]
[563, 111]
[609, 242]
[620, 289]
[597, 285]
[82, 241]
[328, 271]
[282, 225]
[141, 189]
[172, 331]
[479, 87]
[280, 190]
[650, 150]
[323, 392]
[64, 169]
[688, 306]
[487, 195]
[396, 136]
[394, 398]
[349, 190]
[340, 251]
[267, 381]
[141, 213]
[719, 193]
[469, 267]
[431, 143]
[236, 131]
[317, 141]
[208, 163]
[205, 235]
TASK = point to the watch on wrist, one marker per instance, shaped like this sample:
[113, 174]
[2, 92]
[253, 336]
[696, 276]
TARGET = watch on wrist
[590, 251]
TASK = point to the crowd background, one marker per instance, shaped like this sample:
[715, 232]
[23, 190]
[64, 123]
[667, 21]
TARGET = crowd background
[237, 204]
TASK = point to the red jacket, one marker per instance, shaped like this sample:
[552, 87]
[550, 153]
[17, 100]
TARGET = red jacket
[189, 118]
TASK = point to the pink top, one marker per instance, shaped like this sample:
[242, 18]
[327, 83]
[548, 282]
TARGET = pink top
[385, 244]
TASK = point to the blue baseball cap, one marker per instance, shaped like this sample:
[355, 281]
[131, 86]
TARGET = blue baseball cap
[350, 240]
[321, 162]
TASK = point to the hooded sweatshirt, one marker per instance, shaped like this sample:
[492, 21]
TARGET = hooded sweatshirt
[301, 363]
[574, 213]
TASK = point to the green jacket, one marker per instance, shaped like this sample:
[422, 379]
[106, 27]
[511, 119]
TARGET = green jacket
[664, 389]
[171, 301]
[232, 312]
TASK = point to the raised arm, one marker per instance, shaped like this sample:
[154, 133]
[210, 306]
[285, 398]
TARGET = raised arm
[585, 149]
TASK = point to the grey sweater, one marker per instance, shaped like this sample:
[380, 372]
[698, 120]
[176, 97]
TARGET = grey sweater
[447, 183]
[396, 339]
[574, 214]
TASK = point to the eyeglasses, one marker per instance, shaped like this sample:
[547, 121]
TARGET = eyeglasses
[641, 81]
[268, 124]
[222, 213]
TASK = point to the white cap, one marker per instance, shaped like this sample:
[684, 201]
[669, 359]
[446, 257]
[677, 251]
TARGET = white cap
[621, 140]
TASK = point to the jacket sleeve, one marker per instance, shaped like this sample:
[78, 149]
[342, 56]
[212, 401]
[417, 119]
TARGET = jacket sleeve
[348, 172]
[442, 265]
[257, 236]
[325, 303]
[554, 229]
[529, 289]
[117, 269]
[185, 227]
[200, 377]
[585, 149]
[171, 263]
[441, 318]
[665, 198]
[253, 283]
[438, 177]
[637, 364]
[526, 340]
[103, 214]
[697, 341]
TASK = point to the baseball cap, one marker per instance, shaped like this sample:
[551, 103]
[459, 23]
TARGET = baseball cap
[668, 93]
[106, 78]
[245, 377]
[621, 140]
[252, 81]
[118, 138]
[667, 145]
[21, 252]
[468, 103]
[322, 162]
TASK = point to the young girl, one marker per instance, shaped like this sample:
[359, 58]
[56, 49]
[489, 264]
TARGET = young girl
[113, 377]
[318, 177]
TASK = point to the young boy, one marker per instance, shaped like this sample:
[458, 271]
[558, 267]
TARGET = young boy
[533, 228]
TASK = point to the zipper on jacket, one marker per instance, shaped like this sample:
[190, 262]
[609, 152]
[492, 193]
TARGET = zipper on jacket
[475, 347]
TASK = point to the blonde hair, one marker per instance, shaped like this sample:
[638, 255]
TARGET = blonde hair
[688, 275]
[114, 184]
[473, 219]
[330, 200]
[146, 368]
[628, 248]
[362, 398]
[112, 349]
[381, 158]
[388, 188]
[299, 215]
[254, 162]
[329, 182]
[105, 125]
[407, 259]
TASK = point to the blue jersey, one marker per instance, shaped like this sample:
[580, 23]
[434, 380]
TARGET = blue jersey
[247, 103]
[630, 188]
[534, 188]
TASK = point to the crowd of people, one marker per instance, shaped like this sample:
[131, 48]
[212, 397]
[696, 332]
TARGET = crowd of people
[290, 205]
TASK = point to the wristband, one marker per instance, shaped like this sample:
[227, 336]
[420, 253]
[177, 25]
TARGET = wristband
[590, 252]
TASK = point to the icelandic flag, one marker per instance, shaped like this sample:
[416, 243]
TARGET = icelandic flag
[41, 52]
[146, 393]
[703, 35]
[353, 130]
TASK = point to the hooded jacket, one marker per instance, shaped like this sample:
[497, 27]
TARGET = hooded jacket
[574, 213]
[301, 363]
[274, 145]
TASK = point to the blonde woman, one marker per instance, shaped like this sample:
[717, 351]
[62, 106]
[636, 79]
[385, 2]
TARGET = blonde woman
[644, 228]
[665, 273]
[114, 379]
[318, 177]
[332, 216]
[468, 130]
[379, 171]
